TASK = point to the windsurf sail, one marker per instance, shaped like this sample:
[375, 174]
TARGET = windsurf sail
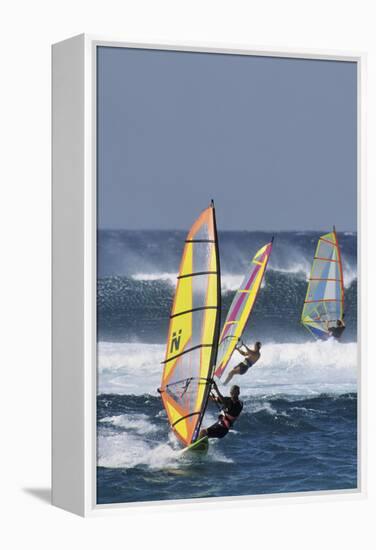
[194, 330]
[241, 308]
[324, 303]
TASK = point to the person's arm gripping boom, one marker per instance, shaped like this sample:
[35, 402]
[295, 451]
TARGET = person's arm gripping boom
[244, 353]
[253, 354]
[220, 397]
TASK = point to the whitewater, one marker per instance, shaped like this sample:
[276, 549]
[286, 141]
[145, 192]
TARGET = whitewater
[290, 369]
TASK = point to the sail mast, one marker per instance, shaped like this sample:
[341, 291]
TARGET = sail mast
[217, 329]
[341, 274]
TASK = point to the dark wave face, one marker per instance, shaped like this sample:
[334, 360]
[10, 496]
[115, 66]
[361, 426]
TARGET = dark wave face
[279, 445]
[123, 252]
[137, 277]
[131, 310]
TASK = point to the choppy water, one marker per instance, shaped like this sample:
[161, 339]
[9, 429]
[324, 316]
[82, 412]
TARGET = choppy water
[298, 429]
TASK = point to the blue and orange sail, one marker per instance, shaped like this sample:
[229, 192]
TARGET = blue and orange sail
[324, 302]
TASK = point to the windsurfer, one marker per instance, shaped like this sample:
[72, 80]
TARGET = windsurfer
[250, 358]
[231, 409]
[337, 330]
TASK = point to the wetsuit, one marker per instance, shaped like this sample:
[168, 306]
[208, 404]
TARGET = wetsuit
[336, 331]
[230, 411]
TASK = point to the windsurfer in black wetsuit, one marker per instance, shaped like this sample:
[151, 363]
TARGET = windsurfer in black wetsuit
[250, 355]
[337, 331]
[231, 409]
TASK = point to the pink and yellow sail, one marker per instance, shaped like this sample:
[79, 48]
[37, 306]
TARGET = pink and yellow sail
[241, 308]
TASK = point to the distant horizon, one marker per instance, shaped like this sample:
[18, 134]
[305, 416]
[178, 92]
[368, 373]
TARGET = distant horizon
[272, 231]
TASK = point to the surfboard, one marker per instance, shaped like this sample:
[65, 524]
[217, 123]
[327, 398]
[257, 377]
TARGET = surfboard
[200, 446]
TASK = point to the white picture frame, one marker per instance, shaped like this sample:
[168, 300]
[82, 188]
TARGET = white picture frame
[74, 366]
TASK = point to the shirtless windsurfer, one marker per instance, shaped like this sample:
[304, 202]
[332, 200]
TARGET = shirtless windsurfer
[250, 358]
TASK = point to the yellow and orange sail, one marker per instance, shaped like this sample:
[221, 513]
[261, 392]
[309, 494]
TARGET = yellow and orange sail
[194, 330]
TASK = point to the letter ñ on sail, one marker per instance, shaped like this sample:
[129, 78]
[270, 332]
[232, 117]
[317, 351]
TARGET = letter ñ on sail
[194, 330]
[324, 303]
[241, 308]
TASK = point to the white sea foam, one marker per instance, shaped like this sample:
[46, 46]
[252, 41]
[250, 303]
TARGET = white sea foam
[128, 450]
[257, 406]
[296, 369]
[230, 282]
[137, 423]
[301, 266]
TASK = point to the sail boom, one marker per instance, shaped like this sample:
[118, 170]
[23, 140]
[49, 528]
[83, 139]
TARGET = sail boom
[184, 417]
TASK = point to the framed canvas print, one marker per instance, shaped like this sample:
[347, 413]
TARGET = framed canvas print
[206, 274]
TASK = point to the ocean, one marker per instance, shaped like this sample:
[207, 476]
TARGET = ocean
[298, 429]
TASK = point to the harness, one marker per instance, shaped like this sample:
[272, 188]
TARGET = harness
[227, 419]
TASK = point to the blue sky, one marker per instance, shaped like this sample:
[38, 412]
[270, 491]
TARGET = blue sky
[272, 140]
